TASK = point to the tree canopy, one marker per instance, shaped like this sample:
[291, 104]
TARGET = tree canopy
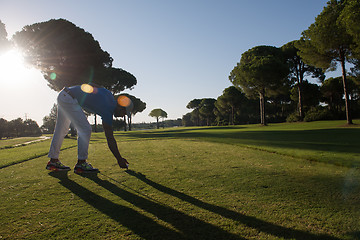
[4, 42]
[327, 42]
[18, 128]
[298, 70]
[234, 106]
[158, 113]
[195, 115]
[206, 110]
[64, 53]
[68, 55]
[49, 121]
[261, 72]
[139, 106]
[350, 18]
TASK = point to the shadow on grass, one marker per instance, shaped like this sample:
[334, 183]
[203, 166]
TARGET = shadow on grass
[188, 227]
[252, 222]
[339, 140]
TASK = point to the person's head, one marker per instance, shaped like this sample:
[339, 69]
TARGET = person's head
[124, 106]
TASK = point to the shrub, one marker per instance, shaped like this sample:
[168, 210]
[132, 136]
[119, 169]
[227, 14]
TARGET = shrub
[293, 117]
[318, 113]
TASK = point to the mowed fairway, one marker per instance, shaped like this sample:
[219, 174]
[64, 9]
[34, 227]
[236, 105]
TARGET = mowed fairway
[284, 181]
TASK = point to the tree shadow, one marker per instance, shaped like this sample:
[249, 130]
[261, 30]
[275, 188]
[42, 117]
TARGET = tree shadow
[188, 227]
[252, 222]
[319, 139]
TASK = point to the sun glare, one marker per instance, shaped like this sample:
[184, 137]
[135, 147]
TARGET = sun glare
[12, 68]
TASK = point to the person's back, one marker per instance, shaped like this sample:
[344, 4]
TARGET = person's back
[95, 100]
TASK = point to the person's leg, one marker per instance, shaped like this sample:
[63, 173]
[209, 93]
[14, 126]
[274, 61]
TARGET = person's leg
[61, 129]
[83, 128]
[84, 133]
[76, 116]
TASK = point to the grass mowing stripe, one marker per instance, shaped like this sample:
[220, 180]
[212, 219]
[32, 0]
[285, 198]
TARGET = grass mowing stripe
[8, 143]
[321, 141]
[11, 156]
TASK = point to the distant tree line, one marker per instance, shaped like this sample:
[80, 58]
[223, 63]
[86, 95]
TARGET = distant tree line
[19, 128]
[154, 125]
[276, 77]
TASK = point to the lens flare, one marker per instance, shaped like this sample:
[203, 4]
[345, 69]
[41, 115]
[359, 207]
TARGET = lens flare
[52, 76]
[87, 88]
[123, 101]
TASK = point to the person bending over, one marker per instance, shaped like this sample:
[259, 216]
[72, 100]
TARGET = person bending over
[71, 102]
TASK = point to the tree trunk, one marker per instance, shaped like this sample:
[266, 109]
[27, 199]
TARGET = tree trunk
[129, 121]
[95, 127]
[299, 78]
[300, 105]
[300, 81]
[262, 108]
[157, 122]
[232, 115]
[124, 123]
[347, 102]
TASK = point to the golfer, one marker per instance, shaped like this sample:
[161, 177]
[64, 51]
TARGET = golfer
[93, 99]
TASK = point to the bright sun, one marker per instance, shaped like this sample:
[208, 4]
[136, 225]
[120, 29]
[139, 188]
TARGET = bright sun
[12, 68]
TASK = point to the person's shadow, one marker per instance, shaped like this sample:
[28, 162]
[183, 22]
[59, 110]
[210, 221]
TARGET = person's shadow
[252, 222]
[188, 227]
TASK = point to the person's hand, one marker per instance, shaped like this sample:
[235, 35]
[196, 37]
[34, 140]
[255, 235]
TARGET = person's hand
[123, 163]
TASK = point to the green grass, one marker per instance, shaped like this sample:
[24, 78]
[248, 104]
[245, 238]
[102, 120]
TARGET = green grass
[325, 141]
[12, 155]
[193, 183]
[8, 143]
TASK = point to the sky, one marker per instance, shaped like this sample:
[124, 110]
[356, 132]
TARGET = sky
[177, 50]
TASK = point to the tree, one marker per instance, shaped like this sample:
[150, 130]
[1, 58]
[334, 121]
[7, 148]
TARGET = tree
[31, 128]
[231, 103]
[16, 127]
[195, 114]
[4, 42]
[350, 18]
[118, 124]
[261, 71]
[49, 121]
[19, 128]
[227, 102]
[117, 80]
[333, 94]
[311, 99]
[327, 42]
[206, 110]
[65, 54]
[139, 106]
[4, 128]
[354, 89]
[157, 113]
[279, 106]
[298, 70]
[186, 120]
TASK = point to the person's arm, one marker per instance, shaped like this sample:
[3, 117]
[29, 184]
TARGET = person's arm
[109, 133]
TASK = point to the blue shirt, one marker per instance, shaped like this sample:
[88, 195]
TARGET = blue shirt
[100, 101]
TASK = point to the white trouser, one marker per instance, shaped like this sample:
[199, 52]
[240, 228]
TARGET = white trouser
[69, 111]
